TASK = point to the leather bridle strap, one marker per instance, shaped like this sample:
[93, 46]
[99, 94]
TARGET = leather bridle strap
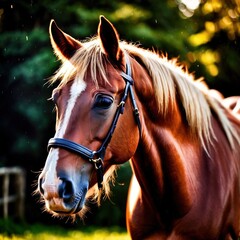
[96, 157]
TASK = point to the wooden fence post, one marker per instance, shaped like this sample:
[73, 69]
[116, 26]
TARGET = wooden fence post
[19, 190]
[20, 187]
[5, 195]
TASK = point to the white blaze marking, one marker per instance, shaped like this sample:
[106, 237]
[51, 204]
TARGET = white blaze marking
[76, 89]
[50, 180]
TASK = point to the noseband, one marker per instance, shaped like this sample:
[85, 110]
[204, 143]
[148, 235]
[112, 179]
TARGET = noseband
[97, 157]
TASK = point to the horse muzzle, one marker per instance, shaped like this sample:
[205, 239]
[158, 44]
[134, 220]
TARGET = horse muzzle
[63, 196]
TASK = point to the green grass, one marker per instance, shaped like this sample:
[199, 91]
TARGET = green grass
[9, 230]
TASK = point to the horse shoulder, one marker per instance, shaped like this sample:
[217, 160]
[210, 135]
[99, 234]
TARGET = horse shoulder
[140, 216]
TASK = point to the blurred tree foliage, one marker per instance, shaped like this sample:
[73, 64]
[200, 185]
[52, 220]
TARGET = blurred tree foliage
[204, 35]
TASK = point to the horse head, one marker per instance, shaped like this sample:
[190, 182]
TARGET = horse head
[95, 83]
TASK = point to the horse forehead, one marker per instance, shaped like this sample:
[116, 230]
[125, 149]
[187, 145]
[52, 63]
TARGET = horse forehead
[74, 91]
[105, 77]
[78, 86]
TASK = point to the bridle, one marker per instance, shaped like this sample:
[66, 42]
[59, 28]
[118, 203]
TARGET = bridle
[97, 157]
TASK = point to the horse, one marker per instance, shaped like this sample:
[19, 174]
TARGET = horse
[117, 102]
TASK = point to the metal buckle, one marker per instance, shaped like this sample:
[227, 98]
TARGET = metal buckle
[121, 104]
[98, 163]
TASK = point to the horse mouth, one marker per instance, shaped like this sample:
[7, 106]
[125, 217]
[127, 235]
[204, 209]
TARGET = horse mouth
[74, 210]
[58, 206]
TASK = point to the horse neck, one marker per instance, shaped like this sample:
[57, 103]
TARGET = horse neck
[160, 161]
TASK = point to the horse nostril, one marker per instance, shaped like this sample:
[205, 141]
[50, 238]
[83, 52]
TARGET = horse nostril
[65, 190]
[40, 181]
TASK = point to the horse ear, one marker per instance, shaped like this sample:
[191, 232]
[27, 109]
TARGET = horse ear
[109, 39]
[64, 45]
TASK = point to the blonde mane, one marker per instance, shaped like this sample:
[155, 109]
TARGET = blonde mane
[169, 79]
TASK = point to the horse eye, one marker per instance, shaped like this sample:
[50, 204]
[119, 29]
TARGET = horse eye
[103, 102]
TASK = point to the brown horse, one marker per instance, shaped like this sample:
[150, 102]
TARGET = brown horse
[115, 102]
